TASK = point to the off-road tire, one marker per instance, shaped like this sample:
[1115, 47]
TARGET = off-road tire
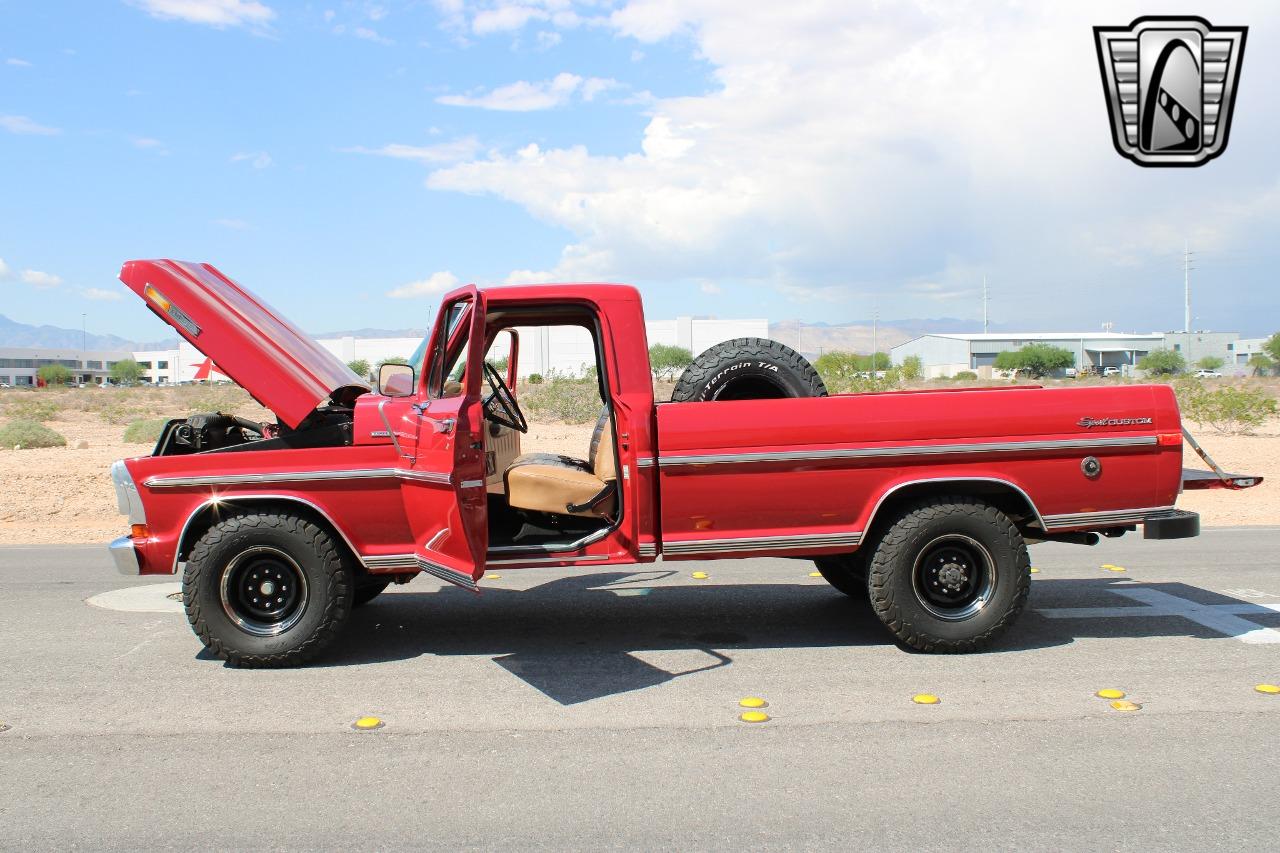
[748, 369]
[329, 585]
[897, 599]
[367, 589]
[846, 572]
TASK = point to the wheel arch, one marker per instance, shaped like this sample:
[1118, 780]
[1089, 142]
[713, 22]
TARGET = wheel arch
[1008, 497]
[207, 514]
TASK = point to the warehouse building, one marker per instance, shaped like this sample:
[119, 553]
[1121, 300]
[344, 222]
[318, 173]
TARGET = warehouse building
[544, 350]
[19, 365]
[948, 354]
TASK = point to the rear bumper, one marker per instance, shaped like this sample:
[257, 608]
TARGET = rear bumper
[1175, 524]
[126, 556]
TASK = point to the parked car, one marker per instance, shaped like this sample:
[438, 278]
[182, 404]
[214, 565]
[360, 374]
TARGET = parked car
[1110, 371]
[922, 502]
[1208, 374]
[1070, 373]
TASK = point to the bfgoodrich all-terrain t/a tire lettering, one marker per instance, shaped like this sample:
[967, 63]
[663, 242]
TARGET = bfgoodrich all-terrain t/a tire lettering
[748, 369]
[950, 574]
[267, 589]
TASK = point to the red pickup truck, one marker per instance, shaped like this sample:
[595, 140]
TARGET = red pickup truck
[922, 501]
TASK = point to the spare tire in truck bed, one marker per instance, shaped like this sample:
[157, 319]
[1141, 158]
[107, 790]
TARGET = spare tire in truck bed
[748, 369]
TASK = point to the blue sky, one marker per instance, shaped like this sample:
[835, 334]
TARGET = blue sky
[817, 160]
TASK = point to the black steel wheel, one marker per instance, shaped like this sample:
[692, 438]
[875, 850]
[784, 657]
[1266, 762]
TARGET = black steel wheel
[950, 574]
[267, 590]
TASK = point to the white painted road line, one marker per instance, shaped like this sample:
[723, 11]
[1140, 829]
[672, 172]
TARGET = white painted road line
[1223, 618]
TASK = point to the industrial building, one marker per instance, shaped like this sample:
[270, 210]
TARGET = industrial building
[544, 350]
[948, 354]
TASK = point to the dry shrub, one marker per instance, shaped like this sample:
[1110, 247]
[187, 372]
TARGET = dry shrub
[25, 435]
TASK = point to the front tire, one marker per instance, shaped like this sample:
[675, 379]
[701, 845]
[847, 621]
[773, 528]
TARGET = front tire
[266, 590]
[950, 575]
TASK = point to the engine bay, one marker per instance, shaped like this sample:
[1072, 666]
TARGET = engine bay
[218, 432]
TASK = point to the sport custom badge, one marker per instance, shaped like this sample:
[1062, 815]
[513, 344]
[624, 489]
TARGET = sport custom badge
[1170, 85]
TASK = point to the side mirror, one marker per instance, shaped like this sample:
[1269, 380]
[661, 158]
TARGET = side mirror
[396, 380]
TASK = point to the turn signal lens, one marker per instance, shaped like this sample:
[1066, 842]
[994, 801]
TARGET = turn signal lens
[139, 531]
[1169, 439]
[158, 298]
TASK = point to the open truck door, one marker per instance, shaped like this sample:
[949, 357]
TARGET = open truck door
[438, 432]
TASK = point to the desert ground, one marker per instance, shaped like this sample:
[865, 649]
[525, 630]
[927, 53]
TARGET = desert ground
[63, 495]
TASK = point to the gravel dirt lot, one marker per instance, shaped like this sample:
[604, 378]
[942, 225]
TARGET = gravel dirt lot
[64, 496]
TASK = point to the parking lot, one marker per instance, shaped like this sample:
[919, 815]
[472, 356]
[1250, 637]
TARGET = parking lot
[586, 711]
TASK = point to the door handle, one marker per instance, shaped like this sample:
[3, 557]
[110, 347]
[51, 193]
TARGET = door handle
[445, 425]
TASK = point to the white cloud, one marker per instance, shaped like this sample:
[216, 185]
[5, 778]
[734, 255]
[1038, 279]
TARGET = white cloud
[213, 13]
[5, 272]
[232, 224]
[547, 39]
[17, 63]
[505, 18]
[523, 96]
[370, 34]
[855, 148]
[433, 285]
[257, 159]
[529, 277]
[710, 288]
[147, 142]
[40, 280]
[444, 152]
[25, 126]
[97, 294]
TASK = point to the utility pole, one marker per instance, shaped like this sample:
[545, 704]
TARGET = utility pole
[1186, 284]
[985, 301]
[875, 351]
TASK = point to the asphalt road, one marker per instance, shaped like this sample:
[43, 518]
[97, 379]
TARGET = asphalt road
[566, 711]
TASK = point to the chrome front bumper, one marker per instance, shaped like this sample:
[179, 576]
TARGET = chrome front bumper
[125, 556]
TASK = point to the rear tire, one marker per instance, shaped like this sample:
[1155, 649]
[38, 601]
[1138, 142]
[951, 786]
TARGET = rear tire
[950, 575]
[266, 590]
[748, 369]
[846, 572]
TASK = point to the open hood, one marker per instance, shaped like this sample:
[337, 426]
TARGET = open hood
[281, 366]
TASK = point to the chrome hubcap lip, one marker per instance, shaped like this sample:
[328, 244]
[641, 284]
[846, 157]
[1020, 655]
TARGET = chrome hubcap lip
[263, 591]
[954, 577]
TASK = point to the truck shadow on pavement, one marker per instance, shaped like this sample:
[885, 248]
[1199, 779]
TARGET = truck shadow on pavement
[575, 639]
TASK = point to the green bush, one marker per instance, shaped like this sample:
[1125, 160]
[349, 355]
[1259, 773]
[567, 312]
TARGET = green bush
[144, 432]
[965, 376]
[534, 379]
[1035, 359]
[33, 409]
[667, 360]
[1162, 362]
[912, 368]
[25, 435]
[1232, 410]
[564, 399]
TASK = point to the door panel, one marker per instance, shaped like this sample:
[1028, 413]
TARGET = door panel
[444, 484]
[502, 450]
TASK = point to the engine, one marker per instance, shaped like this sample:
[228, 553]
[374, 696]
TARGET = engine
[216, 432]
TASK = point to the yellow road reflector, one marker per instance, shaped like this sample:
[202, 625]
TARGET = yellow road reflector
[754, 717]
[367, 724]
[493, 577]
[1126, 705]
[1034, 570]
[1111, 568]
[753, 702]
[1272, 689]
[815, 574]
[1110, 693]
[925, 699]
[701, 576]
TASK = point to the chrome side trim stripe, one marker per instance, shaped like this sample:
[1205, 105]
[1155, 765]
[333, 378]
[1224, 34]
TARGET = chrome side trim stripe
[647, 549]
[1111, 516]
[413, 561]
[761, 543]
[645, 461]
[909, 450]
[296, 477]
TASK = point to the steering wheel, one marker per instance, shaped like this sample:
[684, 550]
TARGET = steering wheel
[500, 406]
